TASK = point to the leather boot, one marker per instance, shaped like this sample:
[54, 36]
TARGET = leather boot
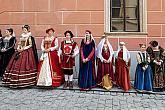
[65, 85]
[70, 85]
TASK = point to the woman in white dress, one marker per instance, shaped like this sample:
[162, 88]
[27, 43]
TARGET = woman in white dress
[50, 73]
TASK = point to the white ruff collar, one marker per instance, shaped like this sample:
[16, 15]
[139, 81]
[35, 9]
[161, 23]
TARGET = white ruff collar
[26, 35]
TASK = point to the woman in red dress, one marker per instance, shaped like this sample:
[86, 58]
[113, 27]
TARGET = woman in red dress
[122, 64]
[50, 73]
[105, 56]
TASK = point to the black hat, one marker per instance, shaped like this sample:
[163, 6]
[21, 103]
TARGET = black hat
[154, 43]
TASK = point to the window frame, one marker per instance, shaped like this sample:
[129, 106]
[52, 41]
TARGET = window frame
[142, 19]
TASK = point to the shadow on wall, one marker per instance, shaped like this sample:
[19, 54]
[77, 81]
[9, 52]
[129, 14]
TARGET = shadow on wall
[132, 69]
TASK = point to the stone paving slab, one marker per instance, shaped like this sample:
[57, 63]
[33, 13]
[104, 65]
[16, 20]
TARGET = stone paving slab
[58, 99]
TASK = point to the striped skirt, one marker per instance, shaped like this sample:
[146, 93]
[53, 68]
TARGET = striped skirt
[21, 71]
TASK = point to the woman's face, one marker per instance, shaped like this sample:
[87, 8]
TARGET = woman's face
[121, 47]
[51, 33]
[24, 30]
[88, 35]
[68, 36]
[143, 48]
[7, 33]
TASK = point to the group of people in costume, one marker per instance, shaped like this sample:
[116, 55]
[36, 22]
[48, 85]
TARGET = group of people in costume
[150, 71]
[19, 67]
[99, 65]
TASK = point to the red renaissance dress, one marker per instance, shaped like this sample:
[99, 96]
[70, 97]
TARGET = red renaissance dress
[105, 68]
[50, 73]
[122, 72]
[22, 68]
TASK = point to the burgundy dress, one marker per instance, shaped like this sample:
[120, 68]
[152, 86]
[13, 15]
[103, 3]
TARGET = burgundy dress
[122, 72]
[105, 68]
[22, 68]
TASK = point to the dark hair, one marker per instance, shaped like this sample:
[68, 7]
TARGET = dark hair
[88, 31]
[142, 45]
[0, 34]
[154, 43]
[70, 32]
[10, 30]
[26, 26]
[47, 30]
[51, 29]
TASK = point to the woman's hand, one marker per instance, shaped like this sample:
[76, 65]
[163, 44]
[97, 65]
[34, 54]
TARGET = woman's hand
[47, 50]
[3, 50]
[159, 63]
[85, 60]
[105, 61]
[143, 68]
[20, 50]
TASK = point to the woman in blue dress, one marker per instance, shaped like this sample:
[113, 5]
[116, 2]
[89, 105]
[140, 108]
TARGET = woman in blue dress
[87, 75]
[143, 74]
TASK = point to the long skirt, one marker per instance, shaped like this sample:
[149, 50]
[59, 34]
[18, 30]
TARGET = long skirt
[103, 69]
[143, 79]
[158, 81]
[50, 72]
[87, 76]
[122, 75]
[21, 70]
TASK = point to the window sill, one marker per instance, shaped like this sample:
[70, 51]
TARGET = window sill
[127, 34]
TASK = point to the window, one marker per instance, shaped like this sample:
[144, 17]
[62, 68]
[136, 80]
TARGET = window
[125, 16]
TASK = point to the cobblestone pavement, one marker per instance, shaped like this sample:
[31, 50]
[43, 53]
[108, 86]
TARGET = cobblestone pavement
[57, 99]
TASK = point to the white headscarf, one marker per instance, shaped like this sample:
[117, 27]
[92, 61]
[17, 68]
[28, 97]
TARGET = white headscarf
[92, 38]
[100, 47]
[126, 54]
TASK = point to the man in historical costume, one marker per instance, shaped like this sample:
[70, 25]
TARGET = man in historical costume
[7, 49]
[87, 74]
[67, 52]
[122, 64]
[143, 73]
[22, 68]
[157, 66]
[105, 55]
[50, 72]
